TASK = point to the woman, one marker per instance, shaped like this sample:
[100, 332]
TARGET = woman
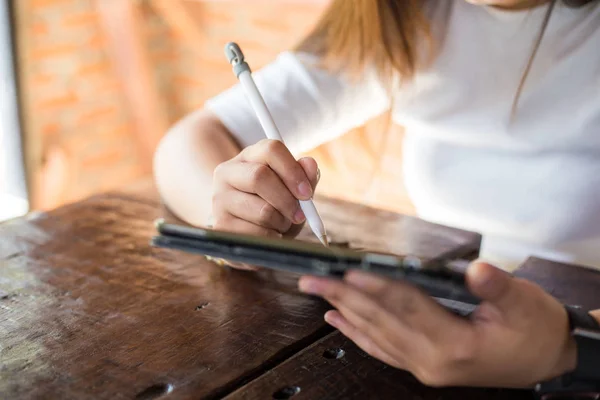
[501, 104]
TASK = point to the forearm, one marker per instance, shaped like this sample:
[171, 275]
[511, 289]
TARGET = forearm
[184, 163]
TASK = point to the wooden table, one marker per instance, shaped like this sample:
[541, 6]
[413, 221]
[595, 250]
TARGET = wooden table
[89, 310]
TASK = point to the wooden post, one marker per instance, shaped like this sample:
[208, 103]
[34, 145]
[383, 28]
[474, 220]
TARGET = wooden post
[122, 26]
[175, 15]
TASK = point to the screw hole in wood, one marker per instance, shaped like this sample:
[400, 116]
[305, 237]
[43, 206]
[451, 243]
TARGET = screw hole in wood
[334, 354]
[286, 392]
[155, 391]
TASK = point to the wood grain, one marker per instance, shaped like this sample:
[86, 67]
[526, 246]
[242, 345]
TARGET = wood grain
[89, 310]
[319, 374]
[571, 284]
[385, 231]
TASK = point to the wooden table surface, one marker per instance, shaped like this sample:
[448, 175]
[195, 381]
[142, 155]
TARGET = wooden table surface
[89, 310]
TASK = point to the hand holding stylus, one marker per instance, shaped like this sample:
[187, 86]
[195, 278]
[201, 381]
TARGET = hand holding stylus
[257, 191]
[303, 192]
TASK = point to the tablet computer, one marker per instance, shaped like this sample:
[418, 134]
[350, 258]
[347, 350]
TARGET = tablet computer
[442, 280]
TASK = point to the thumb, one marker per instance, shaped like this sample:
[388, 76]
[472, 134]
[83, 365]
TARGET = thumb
[493, 285]
[311, 169]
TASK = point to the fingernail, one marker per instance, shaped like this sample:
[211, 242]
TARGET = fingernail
[486, 280]
[305, 190]
[331, 317]
[308, 285]
[481, 274]
[299, 216]
[318, 175]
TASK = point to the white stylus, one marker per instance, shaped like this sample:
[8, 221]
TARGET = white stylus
[242, 71]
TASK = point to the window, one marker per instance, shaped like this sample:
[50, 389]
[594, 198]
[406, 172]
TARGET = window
[13, 187]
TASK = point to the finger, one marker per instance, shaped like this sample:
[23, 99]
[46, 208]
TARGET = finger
[259, 179]
[494, 285]
[365, 313]
[407, 303]
[230, 223]
[337, 320]
[311, 169]
[274, 154]
[399, 346]
[312, 172]
[433, 337]
[294, 230]
[431, 343]
[252, 208]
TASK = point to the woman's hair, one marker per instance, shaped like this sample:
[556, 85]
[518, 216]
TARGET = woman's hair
[389, 35]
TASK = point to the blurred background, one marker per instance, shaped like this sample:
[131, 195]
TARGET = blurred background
[89, 87]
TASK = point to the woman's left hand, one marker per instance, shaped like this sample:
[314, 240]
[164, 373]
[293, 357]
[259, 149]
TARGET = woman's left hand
[517, 337]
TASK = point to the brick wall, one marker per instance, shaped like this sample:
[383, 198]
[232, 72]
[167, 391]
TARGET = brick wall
[79, 128]
[75, 117]
[191, 72]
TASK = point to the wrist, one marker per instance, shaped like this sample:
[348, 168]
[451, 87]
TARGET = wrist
[567, 359]
[573, 352]
[577, 371]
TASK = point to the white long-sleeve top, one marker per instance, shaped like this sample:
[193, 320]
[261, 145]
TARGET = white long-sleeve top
[530, 186]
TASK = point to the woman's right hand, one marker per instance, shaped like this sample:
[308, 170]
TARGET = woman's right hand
[257, 191]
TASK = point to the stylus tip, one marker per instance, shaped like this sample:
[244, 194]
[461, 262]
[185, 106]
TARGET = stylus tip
[324, 240]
